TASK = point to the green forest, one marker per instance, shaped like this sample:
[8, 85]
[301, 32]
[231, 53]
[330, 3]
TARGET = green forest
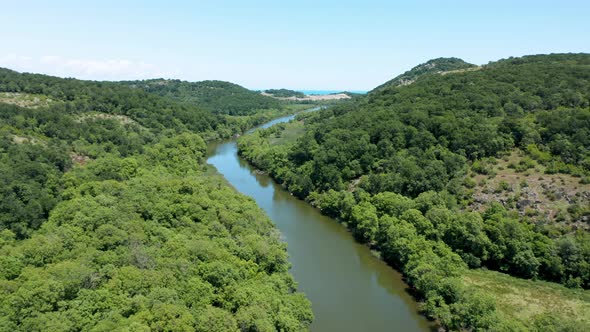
[472, 181]
[217, 97]
[110, 220]
[405, 166]
[285, 93]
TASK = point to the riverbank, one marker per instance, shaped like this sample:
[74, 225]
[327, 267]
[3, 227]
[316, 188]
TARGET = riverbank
[389, 224]
[350, 289]
[236, 125]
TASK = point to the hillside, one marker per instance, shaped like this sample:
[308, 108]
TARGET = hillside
[284, 93]
[149, 109]
[110, 220]
[434, 66]
[216, 96]
[401, 168]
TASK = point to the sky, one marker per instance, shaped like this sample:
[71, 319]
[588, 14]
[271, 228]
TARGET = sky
[330, 45]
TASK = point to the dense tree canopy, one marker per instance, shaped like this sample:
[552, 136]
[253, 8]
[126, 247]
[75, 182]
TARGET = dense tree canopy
[206, 107]
[438, 65]
[393, 166]
[216, 96]
[415, 138]
[110, 220]
[285, 93]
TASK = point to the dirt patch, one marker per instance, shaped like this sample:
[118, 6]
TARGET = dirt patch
[79, 159]
[354, 183]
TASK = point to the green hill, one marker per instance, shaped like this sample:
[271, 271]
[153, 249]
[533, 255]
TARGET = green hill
[434, 66]
[111, 221]
[398, 167]
[224, 109]
[285, 93]
[216, 96]
[78, 97]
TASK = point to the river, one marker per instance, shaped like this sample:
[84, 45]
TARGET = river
[349, 288]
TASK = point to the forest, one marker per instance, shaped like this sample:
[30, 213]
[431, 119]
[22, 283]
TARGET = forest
[397, 167]
[110, 219]
[215, 96]
[285, 93]
[148, 108]
[438, 65]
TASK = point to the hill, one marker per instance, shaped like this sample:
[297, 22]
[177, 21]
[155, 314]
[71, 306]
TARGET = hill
[79, 97]
[216, 96]
[284, 93]
[151, 109]
[434, 66]
[401, 168]
[110, 220]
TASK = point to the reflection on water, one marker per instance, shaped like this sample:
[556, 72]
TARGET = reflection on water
[349, 288]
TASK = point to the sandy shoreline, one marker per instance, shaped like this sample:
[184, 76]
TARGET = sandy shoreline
[336, 96]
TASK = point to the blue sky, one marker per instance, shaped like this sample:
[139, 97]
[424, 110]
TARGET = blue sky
[338, 45]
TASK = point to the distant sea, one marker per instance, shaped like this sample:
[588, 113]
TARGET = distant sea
[327, 92]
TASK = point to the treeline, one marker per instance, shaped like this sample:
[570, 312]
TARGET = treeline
[434, 66]
[285, 93]
[148, 242]
[395, 162]
[157, 113]
[37, 147]
[111, 221]
[431, 241]
[217, 97]
[421, 137]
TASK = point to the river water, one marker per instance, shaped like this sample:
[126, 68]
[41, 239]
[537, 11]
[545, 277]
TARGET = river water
[349, 288]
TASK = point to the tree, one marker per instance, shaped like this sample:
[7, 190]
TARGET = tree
[365, 222]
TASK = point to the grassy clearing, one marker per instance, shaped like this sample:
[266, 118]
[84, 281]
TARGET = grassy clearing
[523, 300]
[293, 130]
[123, 119]
[461, 70]
[25, 99]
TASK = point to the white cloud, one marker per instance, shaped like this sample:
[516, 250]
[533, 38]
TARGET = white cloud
[109, 69]
[12, 60]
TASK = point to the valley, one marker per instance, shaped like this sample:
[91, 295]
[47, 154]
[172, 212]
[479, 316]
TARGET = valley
[454, 197]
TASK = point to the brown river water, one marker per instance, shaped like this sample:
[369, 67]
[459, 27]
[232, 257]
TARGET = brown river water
[350, 289]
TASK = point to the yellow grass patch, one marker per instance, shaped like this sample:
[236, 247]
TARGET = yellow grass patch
[523, 300]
